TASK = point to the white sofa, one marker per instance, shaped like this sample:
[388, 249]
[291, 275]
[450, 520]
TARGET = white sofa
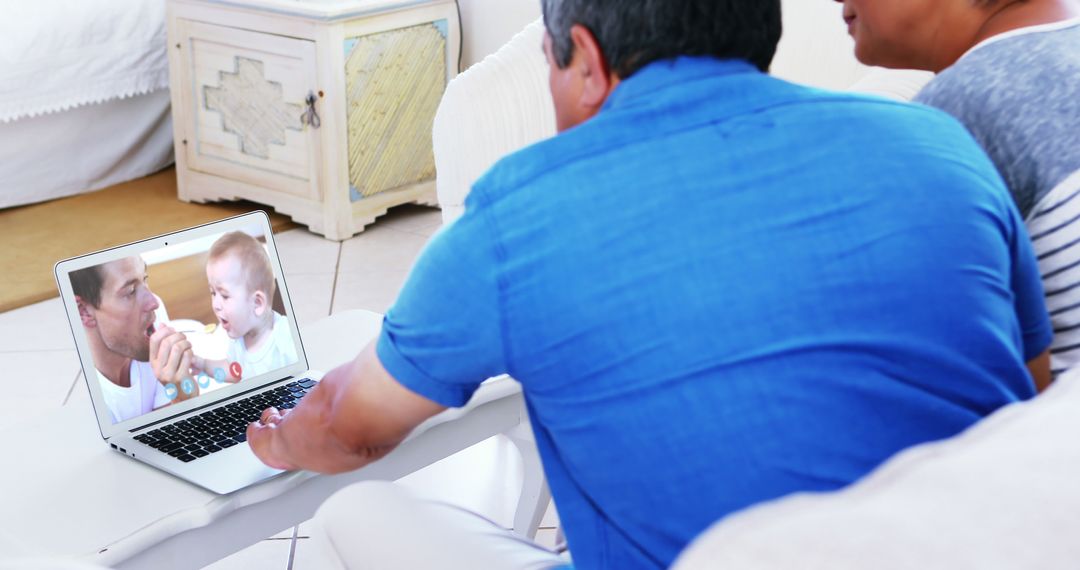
[1003, 495]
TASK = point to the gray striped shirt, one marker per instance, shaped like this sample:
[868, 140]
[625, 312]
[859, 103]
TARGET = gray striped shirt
[1019, 95]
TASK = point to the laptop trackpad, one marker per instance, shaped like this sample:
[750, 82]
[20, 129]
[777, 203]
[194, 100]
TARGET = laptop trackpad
[229, 470]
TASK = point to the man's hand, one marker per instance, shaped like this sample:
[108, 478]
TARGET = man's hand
[260, 436]
[357, 414]
[170, 358]
[1039, 368]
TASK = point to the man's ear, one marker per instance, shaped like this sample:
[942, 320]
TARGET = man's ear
[260, 301]
[86, 313]
[597, 79]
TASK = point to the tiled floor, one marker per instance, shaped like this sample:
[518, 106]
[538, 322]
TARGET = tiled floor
[324, 278]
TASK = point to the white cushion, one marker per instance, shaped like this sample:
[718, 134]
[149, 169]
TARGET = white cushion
[1004, 494]
[899, 84]
[494, 108]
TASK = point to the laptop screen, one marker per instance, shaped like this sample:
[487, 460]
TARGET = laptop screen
[182, 320]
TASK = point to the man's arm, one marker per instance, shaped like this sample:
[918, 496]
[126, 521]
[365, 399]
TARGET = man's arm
[443, 336]
[357, 414]
[1039, 367]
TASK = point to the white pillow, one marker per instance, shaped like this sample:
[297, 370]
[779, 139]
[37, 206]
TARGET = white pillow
[899, 84]
[1004, 494]
[494, 108]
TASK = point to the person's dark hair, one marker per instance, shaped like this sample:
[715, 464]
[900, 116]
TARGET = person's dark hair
[87, 283]
[635, 33]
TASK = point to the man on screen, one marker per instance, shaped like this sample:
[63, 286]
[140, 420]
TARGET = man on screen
[140, 367]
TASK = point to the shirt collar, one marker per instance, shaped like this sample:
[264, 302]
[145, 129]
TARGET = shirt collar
[1038, 28]
[666, 73]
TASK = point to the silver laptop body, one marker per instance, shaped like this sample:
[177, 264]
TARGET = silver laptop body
[199, 439]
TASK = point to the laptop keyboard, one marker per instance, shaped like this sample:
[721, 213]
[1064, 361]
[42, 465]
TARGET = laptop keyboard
[224, 427]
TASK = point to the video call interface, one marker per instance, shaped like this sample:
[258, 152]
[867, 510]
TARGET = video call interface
[182, 321]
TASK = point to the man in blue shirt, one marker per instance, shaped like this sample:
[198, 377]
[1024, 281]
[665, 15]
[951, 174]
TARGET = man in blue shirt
[715, 287]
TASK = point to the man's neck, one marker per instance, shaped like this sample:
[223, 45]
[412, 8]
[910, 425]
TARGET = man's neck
[1016, 15]
[115, 367]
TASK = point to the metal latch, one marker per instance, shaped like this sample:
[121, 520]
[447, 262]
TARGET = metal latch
[310, 117]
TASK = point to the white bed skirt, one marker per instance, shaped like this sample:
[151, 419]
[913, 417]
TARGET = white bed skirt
[83, 149]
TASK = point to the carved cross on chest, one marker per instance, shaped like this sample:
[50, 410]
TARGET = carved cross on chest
[252, 108]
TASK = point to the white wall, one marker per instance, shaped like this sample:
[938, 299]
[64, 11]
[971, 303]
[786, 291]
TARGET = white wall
[488, 24]
[815, 48]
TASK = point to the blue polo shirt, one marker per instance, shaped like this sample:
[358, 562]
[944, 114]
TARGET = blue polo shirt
[722, 289]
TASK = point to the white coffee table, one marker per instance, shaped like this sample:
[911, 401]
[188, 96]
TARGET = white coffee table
[64, 493]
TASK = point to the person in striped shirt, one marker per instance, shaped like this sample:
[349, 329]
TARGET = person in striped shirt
[1009, 70]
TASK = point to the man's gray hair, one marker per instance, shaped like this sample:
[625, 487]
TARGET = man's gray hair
[635, 33]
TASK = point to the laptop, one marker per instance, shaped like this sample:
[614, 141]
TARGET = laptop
[220, 285]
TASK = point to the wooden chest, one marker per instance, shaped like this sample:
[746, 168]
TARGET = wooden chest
[320, 108]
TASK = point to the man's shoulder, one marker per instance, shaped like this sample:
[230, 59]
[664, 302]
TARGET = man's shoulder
[880, 113]
[106, 384]
[877, 116]
[857, 122]
[875, 139]
[554, 162]
[538, 164]
[604, 152]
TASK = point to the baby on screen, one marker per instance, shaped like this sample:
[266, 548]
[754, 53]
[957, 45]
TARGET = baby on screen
[242, 289]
